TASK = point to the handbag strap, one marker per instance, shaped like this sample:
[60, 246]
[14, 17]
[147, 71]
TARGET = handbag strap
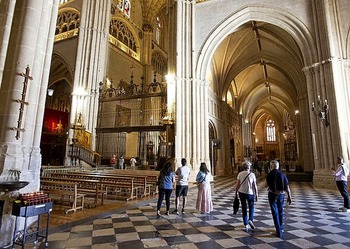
[203, 178]
[242, 182]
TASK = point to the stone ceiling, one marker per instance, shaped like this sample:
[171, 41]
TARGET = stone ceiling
[262, 65]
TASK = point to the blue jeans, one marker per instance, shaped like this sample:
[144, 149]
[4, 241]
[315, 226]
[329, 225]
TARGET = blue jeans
[343, 189]
[167, 194]
[244, 199]
[276, 202]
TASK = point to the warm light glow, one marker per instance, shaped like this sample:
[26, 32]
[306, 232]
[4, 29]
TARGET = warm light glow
[296, 112]
[170, 79]
[229, 98]
[79, 91]
[246, 121]
[50, 92]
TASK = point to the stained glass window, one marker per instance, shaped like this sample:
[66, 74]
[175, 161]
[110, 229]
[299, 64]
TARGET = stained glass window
[270, 131]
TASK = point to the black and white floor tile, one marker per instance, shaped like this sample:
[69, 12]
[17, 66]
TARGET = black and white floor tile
[312, 221]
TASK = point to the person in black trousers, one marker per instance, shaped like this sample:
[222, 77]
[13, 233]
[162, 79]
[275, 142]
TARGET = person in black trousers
[341, 178]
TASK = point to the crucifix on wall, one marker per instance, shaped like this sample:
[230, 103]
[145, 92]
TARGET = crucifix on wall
[22, 102]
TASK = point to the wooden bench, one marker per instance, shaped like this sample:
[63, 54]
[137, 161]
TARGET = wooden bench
[118, 187]
[88, 187]
[141, 182]
[63, 190]
[151, 177]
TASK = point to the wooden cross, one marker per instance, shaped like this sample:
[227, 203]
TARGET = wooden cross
[23, 102]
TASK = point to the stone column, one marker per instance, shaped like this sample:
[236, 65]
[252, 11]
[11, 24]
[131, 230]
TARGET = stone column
[7, 8]
[30, 43]
[192, 135]
[329, 81]
[90, 64]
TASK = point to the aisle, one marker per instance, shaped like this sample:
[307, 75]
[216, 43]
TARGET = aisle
[312, 221]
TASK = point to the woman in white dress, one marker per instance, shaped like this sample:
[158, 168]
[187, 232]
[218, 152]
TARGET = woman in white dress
[204, 201]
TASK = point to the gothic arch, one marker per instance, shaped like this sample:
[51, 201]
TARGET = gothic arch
[284, 20]
[124, 37]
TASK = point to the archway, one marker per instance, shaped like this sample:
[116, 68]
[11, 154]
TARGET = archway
[263, 59]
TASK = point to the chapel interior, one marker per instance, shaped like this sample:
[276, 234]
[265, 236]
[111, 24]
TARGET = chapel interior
[211, 81]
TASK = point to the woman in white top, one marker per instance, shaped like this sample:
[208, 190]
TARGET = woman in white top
[248, 193]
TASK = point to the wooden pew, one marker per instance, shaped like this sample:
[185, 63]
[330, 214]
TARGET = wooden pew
[141, 182]
[119, 187]
[87, 187]
[152, 177]
[63, 189]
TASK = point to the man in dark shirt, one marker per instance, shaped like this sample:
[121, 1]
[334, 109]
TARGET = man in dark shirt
[278, 185]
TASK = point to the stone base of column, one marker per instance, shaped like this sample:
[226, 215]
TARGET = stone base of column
[324, 179]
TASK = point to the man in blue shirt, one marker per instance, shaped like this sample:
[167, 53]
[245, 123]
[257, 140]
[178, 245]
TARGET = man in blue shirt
[278, 185]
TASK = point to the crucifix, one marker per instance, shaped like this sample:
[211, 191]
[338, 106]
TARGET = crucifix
[22, 102]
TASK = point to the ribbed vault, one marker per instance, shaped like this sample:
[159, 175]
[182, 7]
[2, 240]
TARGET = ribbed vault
[262, 64]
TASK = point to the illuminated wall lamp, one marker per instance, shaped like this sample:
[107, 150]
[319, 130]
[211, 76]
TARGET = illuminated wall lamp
[50, 92]
[322, 110]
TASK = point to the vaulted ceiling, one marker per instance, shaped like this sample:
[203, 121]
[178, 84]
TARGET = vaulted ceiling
[261, 65]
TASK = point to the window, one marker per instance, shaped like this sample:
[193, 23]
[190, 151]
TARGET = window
[158, 30]
[124, 6]
[123, 34]
[270, 131]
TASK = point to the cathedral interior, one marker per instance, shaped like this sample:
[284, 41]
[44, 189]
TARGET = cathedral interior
[212, 81]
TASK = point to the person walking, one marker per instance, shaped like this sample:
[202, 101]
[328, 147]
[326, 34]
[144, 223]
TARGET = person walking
[248, 193]
[204, 201]
[121, 162]
[278, 185]
[165, 183]
[182, 174]
[341, 178]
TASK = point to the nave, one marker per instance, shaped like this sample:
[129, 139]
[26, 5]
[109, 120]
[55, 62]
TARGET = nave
[312, 221]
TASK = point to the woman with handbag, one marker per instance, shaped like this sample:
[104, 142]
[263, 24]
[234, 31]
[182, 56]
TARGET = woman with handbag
[204, 201]
[248, 193]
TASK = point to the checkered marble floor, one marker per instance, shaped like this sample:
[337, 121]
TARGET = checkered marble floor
[312, 221]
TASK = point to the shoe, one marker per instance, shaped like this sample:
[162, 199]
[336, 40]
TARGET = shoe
[167, 213]
[183, 211]
[158, 214]
[343, 209]
[246, 228]
[251, 224]
[176, 212]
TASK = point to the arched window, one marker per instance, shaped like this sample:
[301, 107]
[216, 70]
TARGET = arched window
[270, 131]
[159, 63]
[67, 21]
[158, 30]
[123, 34]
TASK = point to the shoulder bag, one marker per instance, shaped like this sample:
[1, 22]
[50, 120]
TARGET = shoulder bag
[236, 200]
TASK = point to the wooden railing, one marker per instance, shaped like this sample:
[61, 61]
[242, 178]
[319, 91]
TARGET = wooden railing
[78, 153]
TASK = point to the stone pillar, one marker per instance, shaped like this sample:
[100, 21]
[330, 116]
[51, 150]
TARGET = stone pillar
[90, 64]
[7, 8]
[192, 132]
[30, 45]
[329, 81]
